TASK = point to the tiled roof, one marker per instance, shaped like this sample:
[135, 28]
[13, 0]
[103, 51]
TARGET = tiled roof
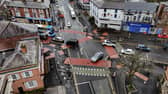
[10, 43]
[141, 6]
[111, 52]
[12, 29]
[87, 62]
[125, 5]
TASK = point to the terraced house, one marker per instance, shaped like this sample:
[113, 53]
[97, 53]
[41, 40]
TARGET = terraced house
[30, 11]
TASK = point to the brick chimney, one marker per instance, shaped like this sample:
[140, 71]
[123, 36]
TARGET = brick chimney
[23, 48]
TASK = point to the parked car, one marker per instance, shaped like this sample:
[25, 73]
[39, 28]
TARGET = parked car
[108, 43]
[72, 42]
[97, 56]
[128, 51]
[58, 39]
[68, 24]
[143, 47]
[165, 46]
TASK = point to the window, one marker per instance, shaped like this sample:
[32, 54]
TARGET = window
[17, 12]
[134, 18]
[31, 84]
[104, 14]
[27, 74]
[26, 11]
[34, 13]
[14, 76]
[115, 16]
[41, 13]
[116, 10]
[105, 10]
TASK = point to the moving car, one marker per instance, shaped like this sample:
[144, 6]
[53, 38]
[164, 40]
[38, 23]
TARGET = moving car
[143, 47]
[97, 56]
[58, 39]
[72, 42]
[68, 24]
[127, 51]
[108, 43]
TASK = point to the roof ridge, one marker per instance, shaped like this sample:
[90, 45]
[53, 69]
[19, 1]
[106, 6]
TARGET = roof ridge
[5, 28]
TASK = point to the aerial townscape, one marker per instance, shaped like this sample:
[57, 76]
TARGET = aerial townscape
[83, 47]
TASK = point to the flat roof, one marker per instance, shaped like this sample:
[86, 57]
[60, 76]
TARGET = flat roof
[19, 58]
[87, 62]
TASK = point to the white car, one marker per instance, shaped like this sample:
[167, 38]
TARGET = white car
[127, 51]
[108, 43]
[68, 24]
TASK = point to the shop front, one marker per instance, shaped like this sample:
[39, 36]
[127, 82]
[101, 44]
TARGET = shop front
[137, 27]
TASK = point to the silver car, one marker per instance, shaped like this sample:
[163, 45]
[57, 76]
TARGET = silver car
[108, 43]
[128, 51]
[97, 56]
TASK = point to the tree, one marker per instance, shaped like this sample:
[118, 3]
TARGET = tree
[133, 64]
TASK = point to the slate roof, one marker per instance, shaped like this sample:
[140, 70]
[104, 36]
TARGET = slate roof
[12, 29]
[141, 6]
[110, 3]
[29, 4]
[124, 5]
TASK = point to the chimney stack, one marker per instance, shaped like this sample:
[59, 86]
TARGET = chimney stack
[23, 48]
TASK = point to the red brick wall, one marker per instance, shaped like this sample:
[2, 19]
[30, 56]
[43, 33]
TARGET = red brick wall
[12, 11]
[30, 12]
[48, 13]
[22, 14]
[45, 15]
[20, 83]
[38, 14]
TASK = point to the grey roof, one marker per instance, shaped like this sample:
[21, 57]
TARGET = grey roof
[123, 4]
[18, 58]
[110, 3]
[29, 4]
[141, 6]
[10, 29]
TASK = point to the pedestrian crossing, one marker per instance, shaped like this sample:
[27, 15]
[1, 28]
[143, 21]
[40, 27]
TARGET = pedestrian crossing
[87, 71]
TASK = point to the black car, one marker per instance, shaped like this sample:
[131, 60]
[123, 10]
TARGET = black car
[165, 46]
[72, 42]
[143, 47]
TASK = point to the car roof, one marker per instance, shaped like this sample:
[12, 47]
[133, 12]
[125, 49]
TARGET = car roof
[129, 49]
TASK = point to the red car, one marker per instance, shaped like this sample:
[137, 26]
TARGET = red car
[162, 36]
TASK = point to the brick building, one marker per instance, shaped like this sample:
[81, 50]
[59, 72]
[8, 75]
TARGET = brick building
[31, 11]
[163, 17]
[21, 61]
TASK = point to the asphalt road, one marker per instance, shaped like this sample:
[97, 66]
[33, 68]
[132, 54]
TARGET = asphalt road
[76, 25]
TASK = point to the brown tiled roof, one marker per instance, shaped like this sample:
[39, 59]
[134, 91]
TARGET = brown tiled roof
[9, 43]
[87, 62]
